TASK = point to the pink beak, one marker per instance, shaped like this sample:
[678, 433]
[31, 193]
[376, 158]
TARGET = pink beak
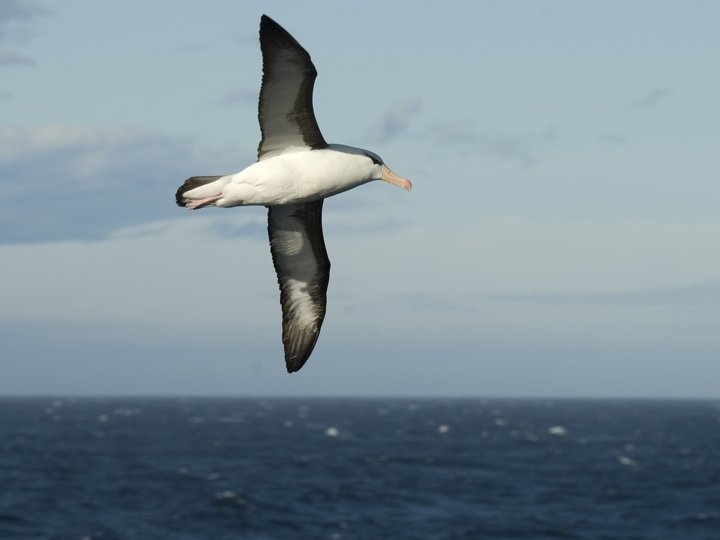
[394, 179]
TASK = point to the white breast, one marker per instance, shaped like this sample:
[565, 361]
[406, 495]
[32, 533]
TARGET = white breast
[299, 176]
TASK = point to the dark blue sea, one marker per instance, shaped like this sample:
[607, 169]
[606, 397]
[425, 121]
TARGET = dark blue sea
[336, 469]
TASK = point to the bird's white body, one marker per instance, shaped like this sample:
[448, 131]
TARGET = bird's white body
[294, 176]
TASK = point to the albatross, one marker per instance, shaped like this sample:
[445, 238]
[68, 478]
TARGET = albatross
[295, 171]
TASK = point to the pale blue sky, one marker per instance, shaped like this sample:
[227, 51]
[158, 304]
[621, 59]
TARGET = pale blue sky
[561, 238]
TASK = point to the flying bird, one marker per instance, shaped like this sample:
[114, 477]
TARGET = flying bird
[295, 171]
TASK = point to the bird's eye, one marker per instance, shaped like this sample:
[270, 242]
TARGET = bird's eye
[374, 159]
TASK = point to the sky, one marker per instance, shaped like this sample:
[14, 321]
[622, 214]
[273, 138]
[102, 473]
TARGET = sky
[561, 238]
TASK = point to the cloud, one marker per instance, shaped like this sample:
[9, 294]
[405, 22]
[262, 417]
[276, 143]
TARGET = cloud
[84, 157]
[155, 273]
[459, 132]
[359, 224]
[174, 294]
[701, 293]
[253, 224]
[435, 303]
[651, 99]
[519, 147]
[66, 182]
[397, 119]
[9, 58]
[15, 18]
[18, 11]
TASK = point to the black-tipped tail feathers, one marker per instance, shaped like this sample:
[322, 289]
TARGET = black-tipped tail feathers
[192, 183]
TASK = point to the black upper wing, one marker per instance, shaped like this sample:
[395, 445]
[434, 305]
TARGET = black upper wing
[285, 110]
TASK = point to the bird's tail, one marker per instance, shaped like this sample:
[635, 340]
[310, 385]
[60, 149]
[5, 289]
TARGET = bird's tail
[192, 183]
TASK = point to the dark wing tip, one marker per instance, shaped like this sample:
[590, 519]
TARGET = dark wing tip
[274, 36]
[294, 364]
[265, 20]
[298, 353]
[269, 26]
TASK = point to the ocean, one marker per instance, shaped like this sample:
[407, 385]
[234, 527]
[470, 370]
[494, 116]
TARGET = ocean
[341, 469]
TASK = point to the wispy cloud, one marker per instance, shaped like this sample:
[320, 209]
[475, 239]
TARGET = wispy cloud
[61, 182]
[84, 157]
[519, 147]
[652, 98]
[251, 225]
[19, 11]
[397, 119]
[10, 58]
[460, 133]
[427, 302]
[700, 293]
[15, 18]
[364, 227]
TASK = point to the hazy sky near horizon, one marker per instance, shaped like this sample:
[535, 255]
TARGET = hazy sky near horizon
[561, 238]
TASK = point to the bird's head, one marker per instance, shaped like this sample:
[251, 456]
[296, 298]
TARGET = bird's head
[384, 172]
